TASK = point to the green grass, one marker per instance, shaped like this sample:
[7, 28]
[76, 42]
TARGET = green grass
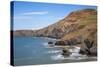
[84, 10]
[88, 20]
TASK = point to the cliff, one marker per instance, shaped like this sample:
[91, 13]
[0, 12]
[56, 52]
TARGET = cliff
[77, 24]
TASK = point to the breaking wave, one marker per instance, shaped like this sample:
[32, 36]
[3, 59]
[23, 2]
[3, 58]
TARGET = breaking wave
[61, 57]
[54, 51]
[57, 57]
[74, 56]
[46, 45]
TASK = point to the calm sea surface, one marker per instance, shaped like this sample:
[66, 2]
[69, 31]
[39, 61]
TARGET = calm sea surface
[35, 50]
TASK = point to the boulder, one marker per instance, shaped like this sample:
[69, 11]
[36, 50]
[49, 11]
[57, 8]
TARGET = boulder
[50, 42]
[60, 43]
[93, 51]
[65, 53]
[89, 48]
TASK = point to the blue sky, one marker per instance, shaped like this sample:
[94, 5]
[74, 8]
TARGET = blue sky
[35, 15]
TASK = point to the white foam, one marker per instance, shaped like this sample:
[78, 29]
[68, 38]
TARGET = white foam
[74, 50]
[61, 57]
[46, 45]
[50, 38]
[54, 51]
[75, 54]
[57, 57]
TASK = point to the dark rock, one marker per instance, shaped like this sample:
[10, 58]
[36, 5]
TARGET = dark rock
[72, 42]
[60, 43]
[65, 53]
[82, 52]
[67, 42]
[93, 50]
[50, 42]
[89, 48]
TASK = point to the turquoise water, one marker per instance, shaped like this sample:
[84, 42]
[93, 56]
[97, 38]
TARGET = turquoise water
[31, 50]
[34, 50]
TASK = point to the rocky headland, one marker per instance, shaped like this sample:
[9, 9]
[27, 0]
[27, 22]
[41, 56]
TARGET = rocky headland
[79, 28]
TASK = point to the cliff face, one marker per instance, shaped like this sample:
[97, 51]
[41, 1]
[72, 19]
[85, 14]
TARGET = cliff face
[78, 24]
[86, 21]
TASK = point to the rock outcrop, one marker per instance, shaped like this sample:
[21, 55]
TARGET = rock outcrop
[89, 48]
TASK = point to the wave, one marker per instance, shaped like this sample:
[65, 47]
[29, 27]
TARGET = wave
[74, 50]
[54, 39]
[54, 51]
[61, 57]
[46, 45]
[57, 57]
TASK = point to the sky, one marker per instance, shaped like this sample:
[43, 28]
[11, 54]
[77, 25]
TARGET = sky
[36, 15]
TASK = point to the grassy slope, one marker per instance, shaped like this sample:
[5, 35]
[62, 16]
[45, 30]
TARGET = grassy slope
[86, 28]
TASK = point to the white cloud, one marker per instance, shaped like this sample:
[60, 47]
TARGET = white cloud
[35, 28]
[24, 15]
[35, 12]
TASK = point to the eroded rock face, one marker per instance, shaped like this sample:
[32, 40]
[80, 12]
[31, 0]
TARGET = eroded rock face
[93, 52]
[89, 48]
[71, 42]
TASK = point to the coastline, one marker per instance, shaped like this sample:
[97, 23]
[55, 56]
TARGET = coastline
[53, 52]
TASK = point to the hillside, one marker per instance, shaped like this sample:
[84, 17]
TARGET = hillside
[77, 24]
[86, 25]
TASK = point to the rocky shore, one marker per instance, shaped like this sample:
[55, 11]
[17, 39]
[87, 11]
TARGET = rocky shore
[79, 28]
[87, 47]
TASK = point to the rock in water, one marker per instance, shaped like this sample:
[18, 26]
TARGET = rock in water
[65, 53]
[89, 48]
[60, 43]
[50, 42]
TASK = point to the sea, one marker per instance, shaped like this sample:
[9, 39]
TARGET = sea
[36, 51]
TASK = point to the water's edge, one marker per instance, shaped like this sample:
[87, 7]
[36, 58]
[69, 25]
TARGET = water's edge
[33, 50]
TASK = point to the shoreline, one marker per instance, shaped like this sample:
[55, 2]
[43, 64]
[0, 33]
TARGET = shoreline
[40, 37]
